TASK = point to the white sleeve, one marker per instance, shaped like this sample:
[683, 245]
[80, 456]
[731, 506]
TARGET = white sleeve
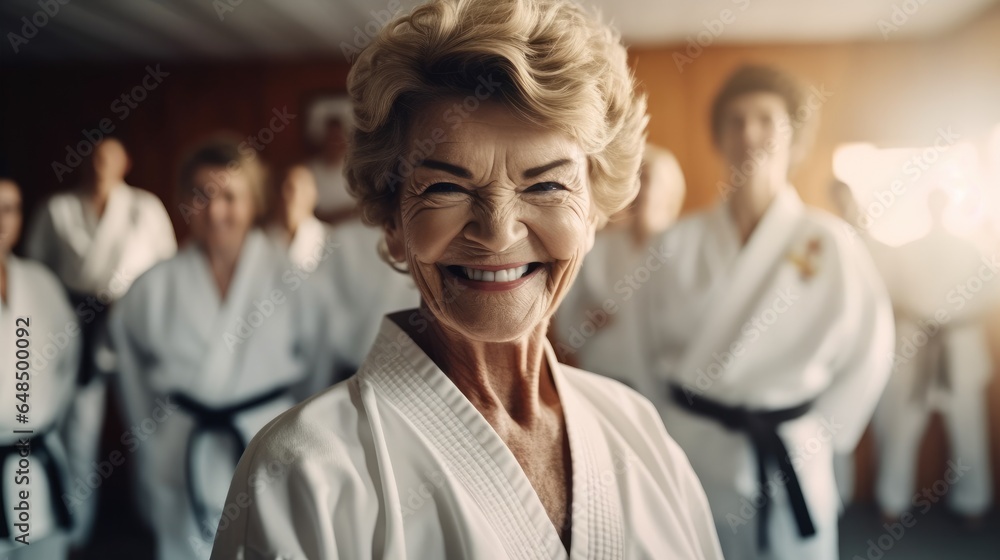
[862, 365]
[163, 231]
[685, 484]
[295, 497]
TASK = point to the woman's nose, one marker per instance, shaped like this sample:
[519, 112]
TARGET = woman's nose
[496, 227]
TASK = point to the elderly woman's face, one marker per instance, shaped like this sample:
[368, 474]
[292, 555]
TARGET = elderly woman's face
[495, 222]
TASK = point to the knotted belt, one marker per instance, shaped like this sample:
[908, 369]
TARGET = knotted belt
[39, 450]
[219, 420]
[762, 429]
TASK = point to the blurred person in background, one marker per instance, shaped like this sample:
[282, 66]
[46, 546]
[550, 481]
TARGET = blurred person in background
[948, 289]
[39, 332]
[604, 337]
[213, 343]
[296, 228]
[344, 263]
[364, 291]
[846, 205]
[333, 204]
[769, 333]
[98, 238]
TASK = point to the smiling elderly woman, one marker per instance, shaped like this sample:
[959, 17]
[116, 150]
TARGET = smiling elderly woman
[492, 139]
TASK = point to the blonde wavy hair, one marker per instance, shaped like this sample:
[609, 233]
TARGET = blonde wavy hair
[557, 67]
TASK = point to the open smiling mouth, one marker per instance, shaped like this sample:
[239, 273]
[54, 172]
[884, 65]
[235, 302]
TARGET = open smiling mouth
[497, 276]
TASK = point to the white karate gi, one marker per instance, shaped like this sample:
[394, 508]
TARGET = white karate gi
[331, 187]
[397, 463]
[175, 336]
[51, 336]
[599, 323]
[932, 267]
[308, 247]
[101, 256]
[796, 315]
[365, 289]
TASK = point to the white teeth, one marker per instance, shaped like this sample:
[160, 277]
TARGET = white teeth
[508, 275]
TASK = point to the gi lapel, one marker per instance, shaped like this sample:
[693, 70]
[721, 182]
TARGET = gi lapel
[69, 221]
[474, 452]
[597, 526]
[217, 373]
[760, 259]
[112, 235]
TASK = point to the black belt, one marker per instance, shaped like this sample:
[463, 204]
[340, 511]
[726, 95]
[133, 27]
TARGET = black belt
[934, 371]
[762, 429]
[94, 332]
[39, 450]
[209, 419]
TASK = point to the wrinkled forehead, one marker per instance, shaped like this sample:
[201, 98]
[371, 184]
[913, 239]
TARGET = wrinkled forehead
[445, 130]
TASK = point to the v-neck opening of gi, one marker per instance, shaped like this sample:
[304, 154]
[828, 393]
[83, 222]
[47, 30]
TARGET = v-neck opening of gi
[467, 418]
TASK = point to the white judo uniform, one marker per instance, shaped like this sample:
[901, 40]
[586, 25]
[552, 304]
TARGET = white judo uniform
[97, 258]
[103, 255]
[396, 463]
[942, 363]
[310, 245]
[37, 323]
[599, 323]
[796, 316]
[331, 187]
[200, 376]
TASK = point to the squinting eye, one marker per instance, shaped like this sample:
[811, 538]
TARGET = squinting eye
[444, 188]
[545, 187]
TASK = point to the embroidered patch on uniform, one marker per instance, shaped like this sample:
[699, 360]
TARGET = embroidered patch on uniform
[807, 260]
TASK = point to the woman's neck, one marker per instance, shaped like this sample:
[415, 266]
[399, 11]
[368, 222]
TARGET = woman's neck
[505, 381]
